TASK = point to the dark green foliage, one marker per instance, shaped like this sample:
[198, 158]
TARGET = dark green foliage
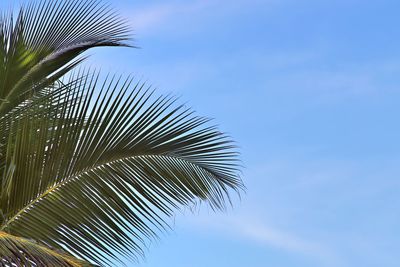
[88, 167]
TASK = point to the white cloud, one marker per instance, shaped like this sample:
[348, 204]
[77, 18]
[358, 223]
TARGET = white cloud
[275, 238]
[150, 17]
[252, 230]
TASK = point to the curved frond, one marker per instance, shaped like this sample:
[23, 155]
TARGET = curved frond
[16, 251]
[44, 41]
[104, 177]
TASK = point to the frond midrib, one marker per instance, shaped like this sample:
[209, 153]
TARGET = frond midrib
[73, 262]
[75, 176]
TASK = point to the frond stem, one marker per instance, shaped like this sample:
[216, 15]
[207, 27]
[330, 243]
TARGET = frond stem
[72, 178]
[70, 260]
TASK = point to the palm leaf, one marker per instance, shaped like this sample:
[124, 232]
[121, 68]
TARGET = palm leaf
[103, 177]
[45, 40]
[94, 168]
[16, 251]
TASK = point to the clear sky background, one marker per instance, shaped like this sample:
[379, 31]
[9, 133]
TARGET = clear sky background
[310, 90]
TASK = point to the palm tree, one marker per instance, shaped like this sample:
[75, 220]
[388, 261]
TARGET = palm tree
[91, 167]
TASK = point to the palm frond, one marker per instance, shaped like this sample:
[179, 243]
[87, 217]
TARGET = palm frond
[104, 177]
[43, 43]
[16, 251]
[88, 167]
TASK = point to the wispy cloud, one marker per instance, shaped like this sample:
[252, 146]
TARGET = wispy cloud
[273, 237]
[147, 18]
[255, 231]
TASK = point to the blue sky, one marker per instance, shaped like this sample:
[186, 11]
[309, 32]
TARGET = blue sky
[310, 91]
